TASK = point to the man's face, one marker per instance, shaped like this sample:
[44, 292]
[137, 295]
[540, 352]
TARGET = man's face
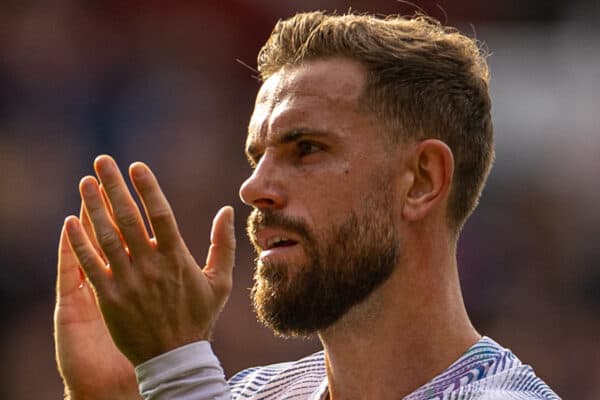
[323, 223]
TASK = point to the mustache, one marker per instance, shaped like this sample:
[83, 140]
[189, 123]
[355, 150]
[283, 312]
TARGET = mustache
[260, 219]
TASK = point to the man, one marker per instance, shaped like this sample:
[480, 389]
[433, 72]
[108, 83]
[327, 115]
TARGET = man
[370, 143]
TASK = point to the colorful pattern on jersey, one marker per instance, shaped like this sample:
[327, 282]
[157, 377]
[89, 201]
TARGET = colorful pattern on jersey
[487, 371]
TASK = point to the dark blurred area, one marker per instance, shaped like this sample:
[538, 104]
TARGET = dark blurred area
[158, 81]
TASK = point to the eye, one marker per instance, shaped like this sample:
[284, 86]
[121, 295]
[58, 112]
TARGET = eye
[305, 147]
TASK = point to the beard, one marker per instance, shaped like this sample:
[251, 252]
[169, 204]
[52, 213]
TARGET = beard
[342, 268]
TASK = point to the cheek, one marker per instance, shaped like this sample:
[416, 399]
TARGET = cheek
[329, 198]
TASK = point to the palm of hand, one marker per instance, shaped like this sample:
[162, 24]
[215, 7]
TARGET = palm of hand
[88, 358]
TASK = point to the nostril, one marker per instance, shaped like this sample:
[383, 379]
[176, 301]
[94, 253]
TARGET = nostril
[255, 196]
[264, 202]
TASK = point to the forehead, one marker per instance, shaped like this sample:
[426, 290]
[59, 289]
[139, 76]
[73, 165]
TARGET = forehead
[314, 92]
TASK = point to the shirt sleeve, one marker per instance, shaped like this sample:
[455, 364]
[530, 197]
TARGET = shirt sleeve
[190, 372]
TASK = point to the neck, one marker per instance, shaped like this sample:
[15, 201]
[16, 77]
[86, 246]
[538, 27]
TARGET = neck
[408, 331]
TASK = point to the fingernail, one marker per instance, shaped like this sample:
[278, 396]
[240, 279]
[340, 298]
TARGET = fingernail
[87, 187]
[70, 223]
[103, 158]
[138, 170]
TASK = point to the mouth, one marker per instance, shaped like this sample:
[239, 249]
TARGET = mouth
[278, 242]
[275, 245]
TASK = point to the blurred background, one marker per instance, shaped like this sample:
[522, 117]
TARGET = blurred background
[158, 81]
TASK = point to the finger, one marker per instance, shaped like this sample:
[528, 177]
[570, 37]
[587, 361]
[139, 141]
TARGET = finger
[157, 207]
[106, 201]
[221, 255]
[87, 257]
[89, 230]
[69, 276]
[104, 230]
[111, 213]
[124, 210]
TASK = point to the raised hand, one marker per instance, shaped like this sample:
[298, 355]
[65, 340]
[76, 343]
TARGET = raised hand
[89, 362]
[152, 294]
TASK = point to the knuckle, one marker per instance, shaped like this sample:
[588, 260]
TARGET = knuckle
[160, 214]
[230, 245]
[83, 254]
[150, 274]
[144, 183]
[129, 290]
[150, 270]
[126, 218]
[177, 257]
[111, 184]
[87, 261]
[108, 240]
[95, 211]
[226, 286]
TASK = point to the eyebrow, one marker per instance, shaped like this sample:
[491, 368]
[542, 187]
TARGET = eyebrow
[253, 152]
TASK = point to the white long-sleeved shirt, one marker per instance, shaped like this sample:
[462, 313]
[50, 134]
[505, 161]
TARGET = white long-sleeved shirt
[487, 371]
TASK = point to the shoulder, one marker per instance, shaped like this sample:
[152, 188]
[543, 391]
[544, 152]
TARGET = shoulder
[506, 377]
[487, 371]
[291, 378]
[517, 382]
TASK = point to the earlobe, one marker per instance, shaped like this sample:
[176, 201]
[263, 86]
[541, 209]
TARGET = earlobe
[432, 167]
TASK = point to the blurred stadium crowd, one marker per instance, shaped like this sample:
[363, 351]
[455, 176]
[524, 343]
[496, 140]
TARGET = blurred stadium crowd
[158, 81]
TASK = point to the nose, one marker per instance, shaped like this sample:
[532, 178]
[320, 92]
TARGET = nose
[264, 189]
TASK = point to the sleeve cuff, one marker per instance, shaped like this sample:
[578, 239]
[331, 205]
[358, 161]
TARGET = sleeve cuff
[190, 371]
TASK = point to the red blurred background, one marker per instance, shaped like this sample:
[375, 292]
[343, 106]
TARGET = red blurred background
[158, 81]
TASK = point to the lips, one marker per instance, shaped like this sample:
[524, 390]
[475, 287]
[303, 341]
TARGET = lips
[272, 243]
[278, 241]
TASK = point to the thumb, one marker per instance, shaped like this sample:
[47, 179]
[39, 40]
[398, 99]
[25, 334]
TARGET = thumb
[221, 255]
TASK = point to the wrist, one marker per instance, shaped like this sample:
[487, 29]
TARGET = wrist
[70, 395]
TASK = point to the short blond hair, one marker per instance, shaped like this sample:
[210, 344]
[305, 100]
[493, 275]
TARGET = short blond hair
[424, 81]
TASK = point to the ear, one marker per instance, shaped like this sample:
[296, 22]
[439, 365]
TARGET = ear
[432, 167]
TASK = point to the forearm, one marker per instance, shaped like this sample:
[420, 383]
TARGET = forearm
[190, 372]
